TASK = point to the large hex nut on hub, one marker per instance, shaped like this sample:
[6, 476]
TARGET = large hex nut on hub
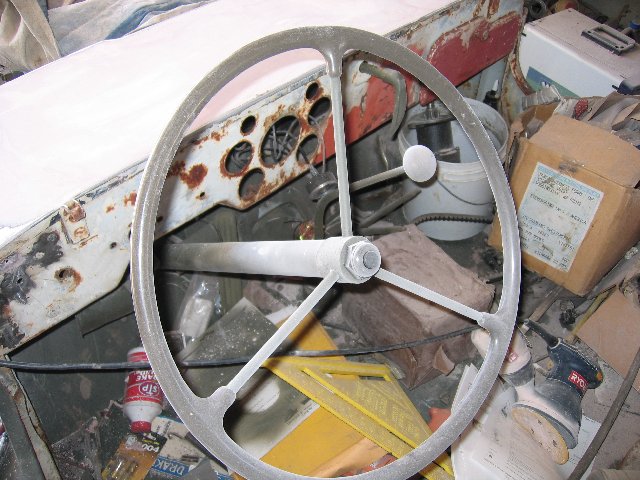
[363, 259]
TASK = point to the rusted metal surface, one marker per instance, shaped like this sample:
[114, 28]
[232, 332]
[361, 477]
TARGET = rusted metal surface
[518, 76]
[493, 7]
[193, 177]
[129, 200]
[475, 45]
[93, 252]
[73, 211]
[68, 277]
[73, 220]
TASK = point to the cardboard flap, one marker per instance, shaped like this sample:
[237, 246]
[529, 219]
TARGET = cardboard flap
[593, 148]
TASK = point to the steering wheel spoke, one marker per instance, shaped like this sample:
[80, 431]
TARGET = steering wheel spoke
[431, 296]
[282, 333]
[344, 199]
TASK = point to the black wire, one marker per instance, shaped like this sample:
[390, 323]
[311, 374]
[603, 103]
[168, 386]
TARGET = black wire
[111, 366]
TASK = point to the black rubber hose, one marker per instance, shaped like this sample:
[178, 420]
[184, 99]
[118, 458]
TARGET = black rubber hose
[605, 428]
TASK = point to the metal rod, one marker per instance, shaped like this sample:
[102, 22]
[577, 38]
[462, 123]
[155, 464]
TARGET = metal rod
[341, 155]
[430, 295]
[397, 81]
[281, 258]
[379, 177]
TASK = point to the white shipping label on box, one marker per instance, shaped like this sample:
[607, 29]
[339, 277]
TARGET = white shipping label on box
[555, 214]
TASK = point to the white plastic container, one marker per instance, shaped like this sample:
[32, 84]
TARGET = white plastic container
[143, 396]
[554, 51]
[457, 187]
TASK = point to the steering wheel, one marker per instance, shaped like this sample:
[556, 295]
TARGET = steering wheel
[345, 259]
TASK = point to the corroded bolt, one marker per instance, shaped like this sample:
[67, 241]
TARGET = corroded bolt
[363, 259]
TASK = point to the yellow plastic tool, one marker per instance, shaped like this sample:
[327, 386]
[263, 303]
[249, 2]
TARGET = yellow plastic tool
[368, 398]
[331, 446]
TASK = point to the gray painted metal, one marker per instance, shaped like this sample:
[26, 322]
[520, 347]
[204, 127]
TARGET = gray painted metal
[203, 416]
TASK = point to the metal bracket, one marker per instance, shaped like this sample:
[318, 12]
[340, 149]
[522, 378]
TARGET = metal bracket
[74, 222]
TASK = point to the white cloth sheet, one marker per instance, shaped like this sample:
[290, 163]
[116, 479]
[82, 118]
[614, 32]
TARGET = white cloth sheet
[74, 123]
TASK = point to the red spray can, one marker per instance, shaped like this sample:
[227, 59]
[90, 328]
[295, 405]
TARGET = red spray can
[143, 396]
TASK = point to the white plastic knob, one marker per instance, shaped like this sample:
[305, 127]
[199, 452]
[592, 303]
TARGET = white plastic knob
[419, 163]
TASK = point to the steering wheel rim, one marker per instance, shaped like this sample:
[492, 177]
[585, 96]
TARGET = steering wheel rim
[204, 416]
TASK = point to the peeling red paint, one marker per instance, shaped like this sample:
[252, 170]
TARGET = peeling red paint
[130, 199]
[464, 51]
[458, 54]
[110, 208]
[329, 141]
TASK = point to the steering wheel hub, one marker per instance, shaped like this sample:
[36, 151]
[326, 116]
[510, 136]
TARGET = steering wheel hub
[363, 259]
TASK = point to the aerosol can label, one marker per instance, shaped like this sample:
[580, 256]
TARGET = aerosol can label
[142, 384]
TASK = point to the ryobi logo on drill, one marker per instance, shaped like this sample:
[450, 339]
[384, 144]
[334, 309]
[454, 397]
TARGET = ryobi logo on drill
[578, 380]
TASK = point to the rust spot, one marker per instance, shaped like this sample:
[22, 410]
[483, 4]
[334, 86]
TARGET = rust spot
[130, 199]
[518, 76]
[494, 5]
[176, 168]
[216, 136]
[478, 9]
[198, 141]
[70, 277]
[6, 311]
[194, 176]
[77, 279]
[110, 208]
[74, 212]
[81, 232]
[279, 113]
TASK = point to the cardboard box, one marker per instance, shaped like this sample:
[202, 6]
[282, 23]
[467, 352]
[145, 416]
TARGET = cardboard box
[613, 332]
[575, 189]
